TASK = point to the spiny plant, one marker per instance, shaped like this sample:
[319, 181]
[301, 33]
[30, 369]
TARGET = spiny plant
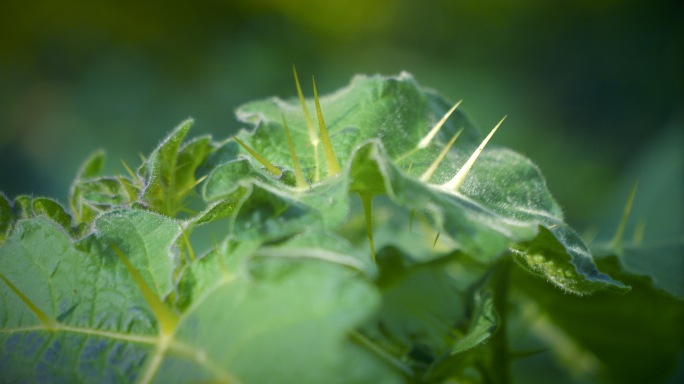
[388, 244]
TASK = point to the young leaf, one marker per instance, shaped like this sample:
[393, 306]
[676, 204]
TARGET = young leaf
[169, 171]
[52, 210]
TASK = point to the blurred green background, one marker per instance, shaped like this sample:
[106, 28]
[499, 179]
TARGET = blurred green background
[592, 88]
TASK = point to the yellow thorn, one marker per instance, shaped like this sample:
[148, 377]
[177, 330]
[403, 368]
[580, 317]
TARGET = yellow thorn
[77, 213]
[165, 317]
[455, 183]
[129, 170]
[428, 138]
[270, 167]
[47, 322]
[188, 246]
[301, 183]
[433, 167]
[313, 136]
[367, 201]
[331, 161]
[198, 181]
[405, 155]
[619, 233]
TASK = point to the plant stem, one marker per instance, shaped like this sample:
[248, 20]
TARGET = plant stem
[500, 360]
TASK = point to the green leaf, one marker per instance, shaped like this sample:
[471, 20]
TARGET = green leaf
[375, 125]
[190, 156]
[67, 315]
[661, 262]
[483, 323]
[283, 304]
[169, 171]
[474, 228]
[22, 207]
[290, 290]
[92, 166]
[225, 178]
[91, 197]
[636, 336]
[147, 240]
[420, 304]
[25, 207]
[394, 110]
[52, 210]
[74, 314]
[314, 243]
[568, 264]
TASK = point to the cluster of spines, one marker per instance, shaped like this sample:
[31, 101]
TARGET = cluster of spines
[330, 159]
[333, 167]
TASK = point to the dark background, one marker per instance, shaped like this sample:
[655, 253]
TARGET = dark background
[592, 88]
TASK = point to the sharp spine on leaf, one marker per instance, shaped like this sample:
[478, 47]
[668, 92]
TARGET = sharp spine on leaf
[428, 138]
[313, 136]
[186, 242]
[425, 141]
[367, 201]
[331, 161]
[275, 171]
[619, 233]
[457, 181]
[301, 182]
[433, 167]
[132, 174]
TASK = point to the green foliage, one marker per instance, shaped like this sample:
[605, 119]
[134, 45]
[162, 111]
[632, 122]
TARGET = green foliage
[300, 282]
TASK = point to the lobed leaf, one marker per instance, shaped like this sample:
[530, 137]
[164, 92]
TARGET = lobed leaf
[169, 172]
[66, 313]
